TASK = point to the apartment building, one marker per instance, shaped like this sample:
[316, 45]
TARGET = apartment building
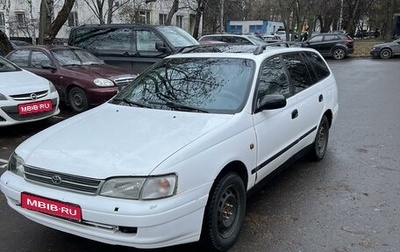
[19, 19]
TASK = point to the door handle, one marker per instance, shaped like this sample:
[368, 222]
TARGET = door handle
[295, 113]
[320, 98]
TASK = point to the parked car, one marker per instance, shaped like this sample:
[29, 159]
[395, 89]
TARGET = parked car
[281, 33]
[81, 79]
[191, 136]
[24, 96]
[233, 39]
[131, 46]
[336, 45]
[272, 38]
[386, 50]
[18, 43]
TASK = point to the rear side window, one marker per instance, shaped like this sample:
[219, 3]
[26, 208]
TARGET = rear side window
[40, 58]
[103, 39]
[331, 37]
[318, 65]
[298, 72]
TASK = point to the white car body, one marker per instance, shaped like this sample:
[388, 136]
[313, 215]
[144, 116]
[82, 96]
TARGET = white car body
[24, 96]
[117, 141]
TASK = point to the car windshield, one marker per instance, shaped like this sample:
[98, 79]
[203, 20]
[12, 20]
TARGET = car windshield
[6, 66]
[213, 85]
[177, 37]
[76, 57]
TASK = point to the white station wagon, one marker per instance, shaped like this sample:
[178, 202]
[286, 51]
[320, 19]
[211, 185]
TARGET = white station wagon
[172, 157]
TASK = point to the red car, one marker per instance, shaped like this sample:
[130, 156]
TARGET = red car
[81, 79]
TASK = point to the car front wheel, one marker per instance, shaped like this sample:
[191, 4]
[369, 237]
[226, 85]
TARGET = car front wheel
[320, 144]
[78, 100]
[224, 214]
[339, 53]
[385, 53]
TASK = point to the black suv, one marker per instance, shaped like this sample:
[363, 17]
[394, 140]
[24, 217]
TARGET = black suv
[131, 46]
[336, 45]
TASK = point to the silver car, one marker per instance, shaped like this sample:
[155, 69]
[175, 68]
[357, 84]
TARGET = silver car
[386, 50]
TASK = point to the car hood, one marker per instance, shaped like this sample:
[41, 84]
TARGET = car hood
[21, 82]
[103, 71]
[113, 140]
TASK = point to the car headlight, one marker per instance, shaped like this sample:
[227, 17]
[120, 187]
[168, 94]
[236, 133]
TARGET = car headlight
[101, 82]
[16, 165]
[145, 188]
[2, 97]
[52, 87]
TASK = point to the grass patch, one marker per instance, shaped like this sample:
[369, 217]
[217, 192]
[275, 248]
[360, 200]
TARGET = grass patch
[362, 47]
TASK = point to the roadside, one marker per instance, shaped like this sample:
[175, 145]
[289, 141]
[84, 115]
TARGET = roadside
[362, 47]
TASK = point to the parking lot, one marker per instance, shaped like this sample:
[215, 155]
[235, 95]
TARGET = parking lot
[347, 202]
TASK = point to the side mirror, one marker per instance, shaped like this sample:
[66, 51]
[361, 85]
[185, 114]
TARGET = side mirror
[271, 102]
[160, 46]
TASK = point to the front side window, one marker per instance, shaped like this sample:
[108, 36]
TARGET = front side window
[39, 58]
[273, 79]
[146, 40]
[298, 72]
[316, 39]
[20, 58]
[213, 85]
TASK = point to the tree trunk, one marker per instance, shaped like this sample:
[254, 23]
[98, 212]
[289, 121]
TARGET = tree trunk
[199, 12]
[172, 11]
[389, 21]
[46, 34]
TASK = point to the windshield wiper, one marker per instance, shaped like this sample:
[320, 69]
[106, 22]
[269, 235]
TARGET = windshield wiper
[178, 106]
[133, 103]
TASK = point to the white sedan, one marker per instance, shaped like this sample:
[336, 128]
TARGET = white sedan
[24, 96]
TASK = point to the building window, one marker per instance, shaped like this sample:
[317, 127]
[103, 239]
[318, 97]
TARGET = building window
[179, 21]
[2, 21]
[20, 18]
[73, 19]
[144, 17]
[162, 19]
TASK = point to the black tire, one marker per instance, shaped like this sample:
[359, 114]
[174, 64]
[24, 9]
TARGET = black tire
[385, 53]
[339, 53]
[224, 214]
[78, 100]
[320, 144]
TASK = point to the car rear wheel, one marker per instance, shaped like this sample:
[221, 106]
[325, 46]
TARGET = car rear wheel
[339, 53]
[78, 100]
[320, 144]
[385, 53]
[224, 214]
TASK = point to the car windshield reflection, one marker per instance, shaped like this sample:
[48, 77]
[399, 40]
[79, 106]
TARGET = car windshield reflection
[214, 85]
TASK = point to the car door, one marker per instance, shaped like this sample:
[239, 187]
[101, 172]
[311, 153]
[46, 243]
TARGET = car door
[328, 43]
[315, 43]
[146, 52]
[308, 99]
[274, 129]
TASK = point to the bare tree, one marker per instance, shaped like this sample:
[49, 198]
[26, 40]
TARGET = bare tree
[48, 29]
[105, 12]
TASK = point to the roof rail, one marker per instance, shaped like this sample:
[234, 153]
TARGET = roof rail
[261, 48]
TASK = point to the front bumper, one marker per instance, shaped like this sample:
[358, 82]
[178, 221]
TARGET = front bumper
[374, 53]
[156, 223]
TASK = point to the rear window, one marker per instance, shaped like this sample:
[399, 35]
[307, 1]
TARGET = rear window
[318, 65]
